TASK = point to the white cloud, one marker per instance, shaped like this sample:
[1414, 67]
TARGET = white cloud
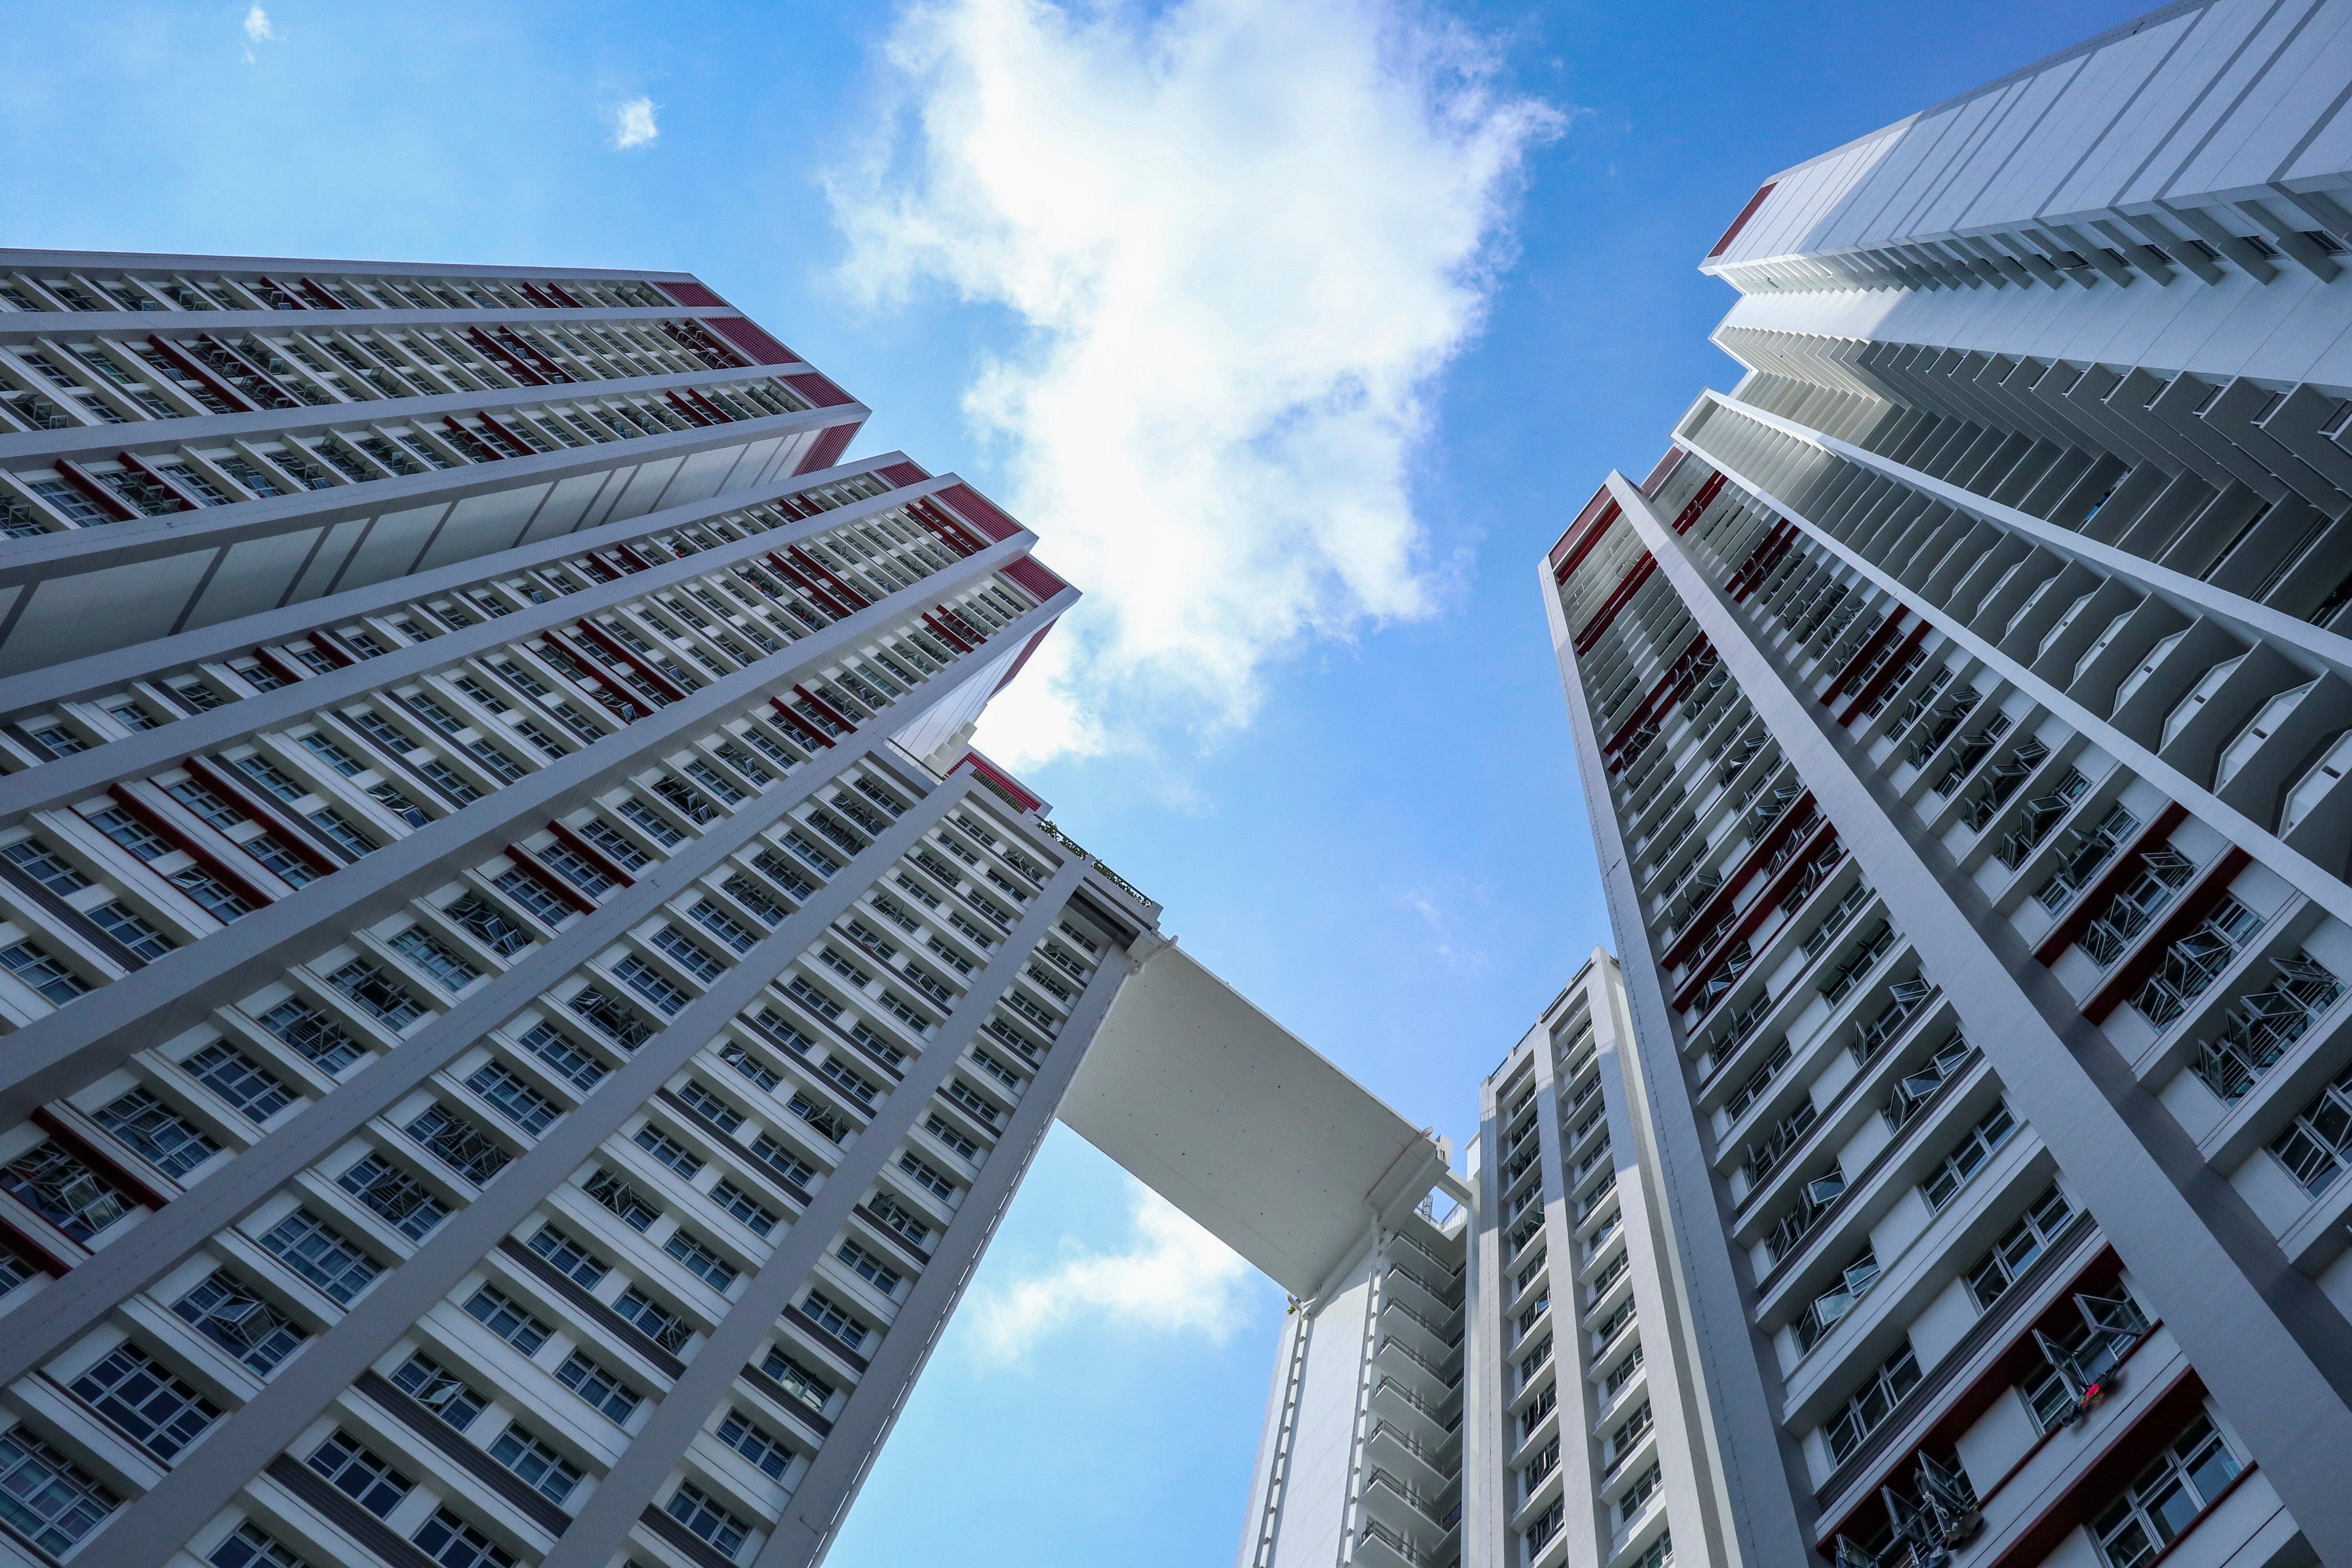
[1245, 236]
[632, 123]
[258, 30]
[1174, 1277]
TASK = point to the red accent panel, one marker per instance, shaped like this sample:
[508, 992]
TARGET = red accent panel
[826, 449]
[505, 357]
[2109, 1475]
[293, 296]
[997, 775]
[522, 448]
[279, 667]
[2193, 907]
[1741, 222]
[833, 606]
[2119, 871]
[818, 390]
[196, 370]
[120, 1175]
[1027, 649]
[694, 416]
[1801, 814]
[957, 535]
[531, 866]
[841, 590]
[827, 708]
[1583, 534]
[1872, 643]
[202, 856]
[940, 629]
[1665, 466]
[980, 511]
[590, 853]
[693, 294]
[1761, 561]
[1698, 503]
[1629, 585]
[1878, 683]
[295, 835]
[629, 657]
[1041, 583]
[105, 499]
[903, 474]
[326, 642]
[809, 734]
[746, 335]
[35, 1249]
[1661, 698]
[318, 295]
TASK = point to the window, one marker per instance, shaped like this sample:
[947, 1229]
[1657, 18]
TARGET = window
[541, 1468]
[609, 1188]
[237, 1078]
[614, 845]
[798, 1380]
[130, 832]
[950, 1137]
[568, 1062]
[309, 1031]
[695, 1510]
[709, 1106]
[31, 966]
[1976, 1146]
[569, 1255]
[700, 1260]
[436, 958]
[606, 1393]
[900, 1218]
[458, 1143]
[359, 1475]
[157, 1133]
[439, 1390]
[666, 1328]
[40, 862]
[509, 1319]
[870, 1268]
[612, 1017]
[834, 1320]
[2193, 1470]
[534, 897]
[727, 929]
[650, 983]
[322, 1254]
[668, 1151]
[232, 1315]
[248, 1546]
[146, 1400]
[64, 1191]
[378, 994]
[576, 871]
[741, 1059]
[399, 1199]
[2018, 1248]
[212, 895]
[745, 1209]
[513, 1098]
[1637, 1496]
[453, 1543]
[45, 1496]
[1872, 1402]
[857, 1087]
[131, 930]
[755, 1443]
[820, 1119]
[927, 1177]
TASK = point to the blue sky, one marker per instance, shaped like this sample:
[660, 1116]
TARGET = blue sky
[1297, 331]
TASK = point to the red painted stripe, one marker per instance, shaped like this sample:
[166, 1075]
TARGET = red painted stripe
[590, 853]
[840, 589]
[133, 1184]
[295, 835]
[1698, 503]
[194, 368]
[1004, 779]
[1627, 586]
[1870, 644]
[1884, 677]
[826, 449]
[2193, 906]
[105, 499]
[809, 734]
[1741, 222]
[2119, 872]
[827, 708]
[630, 656]
[1801, 813]
[531, 866]
[1583, 534]
[941, 629]
[792, 575]
[188, 844]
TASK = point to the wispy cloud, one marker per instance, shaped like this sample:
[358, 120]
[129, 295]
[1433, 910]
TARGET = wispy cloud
[258, 30]
[1173, 1278]
[1245, 236]
[632, 123]
[1445, 938]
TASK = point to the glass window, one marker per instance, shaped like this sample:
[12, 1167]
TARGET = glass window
[402, 1200]
[2185, 1480]
[146, 1400]
[45, 1496]
[231, 1313]
[509, 1319]
[691, 1507]
[322, 1254]
[64, 1191]
[157, 1133]
[359, 1474]
[240, 1079]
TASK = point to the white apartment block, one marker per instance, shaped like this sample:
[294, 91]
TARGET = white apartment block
[1963, 707]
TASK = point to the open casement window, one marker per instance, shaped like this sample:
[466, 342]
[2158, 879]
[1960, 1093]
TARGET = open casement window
[2085, 1367]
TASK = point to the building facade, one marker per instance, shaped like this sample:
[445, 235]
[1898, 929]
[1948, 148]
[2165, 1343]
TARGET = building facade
[522, 1012]
[1963, 707]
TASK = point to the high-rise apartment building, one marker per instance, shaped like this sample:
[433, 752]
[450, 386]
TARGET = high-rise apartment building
[521, 1012]
[1964, 707]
